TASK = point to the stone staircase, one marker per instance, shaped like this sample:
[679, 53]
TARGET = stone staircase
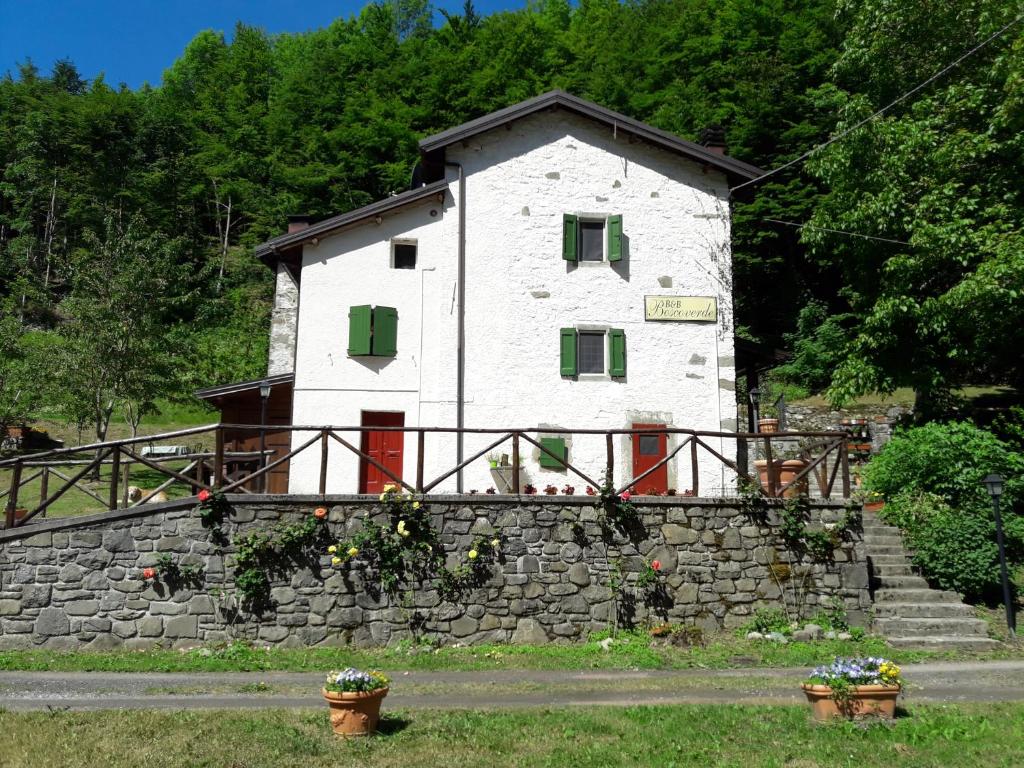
[909, 613]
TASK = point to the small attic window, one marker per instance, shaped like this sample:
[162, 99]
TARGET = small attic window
[403, 254]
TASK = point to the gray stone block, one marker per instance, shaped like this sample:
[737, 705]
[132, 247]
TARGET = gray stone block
[52, 622]
[529, 632]
[181, 627]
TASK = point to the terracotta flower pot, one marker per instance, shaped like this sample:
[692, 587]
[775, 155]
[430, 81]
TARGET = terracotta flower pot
[762, 474]
[874, 506]
[790, 469]
[354, 713]
[865, 701]
[767, 425]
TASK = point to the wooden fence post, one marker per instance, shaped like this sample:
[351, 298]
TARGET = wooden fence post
[44, 484]
[609, 470]
[515, 463]
[773, 485]
[218, 457]
[420, 446]
[115, 475]
[12, 497]
[324, 448]
[695, 488]
[844, 458]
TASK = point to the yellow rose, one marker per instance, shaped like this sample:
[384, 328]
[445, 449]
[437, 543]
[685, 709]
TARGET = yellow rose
[335, 561]
[352, 551]
[495, 543]
[405, 534]
[389, 487]
[383, 496]
[332, 549]
[415, 505]
[472, 554]
[401, 526]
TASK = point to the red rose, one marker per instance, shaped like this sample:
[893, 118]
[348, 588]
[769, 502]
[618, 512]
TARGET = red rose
[320, 513]
[204, 495]
[656, 565]
[149, 573]
[626, 496]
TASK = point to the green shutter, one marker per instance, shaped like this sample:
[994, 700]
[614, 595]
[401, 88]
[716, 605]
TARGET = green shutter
[557, 446]
[569, 248]
[359, 330]
[385, 331]
[617, 352]
[615, 237]
[568, 351]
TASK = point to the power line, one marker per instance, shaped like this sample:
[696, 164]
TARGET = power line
[1001, 31]
[837, 231]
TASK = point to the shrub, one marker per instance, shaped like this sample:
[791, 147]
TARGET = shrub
[931, 479]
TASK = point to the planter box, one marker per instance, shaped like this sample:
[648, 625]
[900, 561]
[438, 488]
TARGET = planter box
[866, 701]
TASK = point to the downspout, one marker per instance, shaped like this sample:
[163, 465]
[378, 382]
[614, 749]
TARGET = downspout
[460, 387]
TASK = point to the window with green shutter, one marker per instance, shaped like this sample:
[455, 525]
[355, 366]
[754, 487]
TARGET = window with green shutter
[385, 331]
[590, 238]
[372, 331]
[555, 445]
[359, 330]
[568, 351]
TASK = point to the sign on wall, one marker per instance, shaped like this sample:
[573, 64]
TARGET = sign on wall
[681, 308]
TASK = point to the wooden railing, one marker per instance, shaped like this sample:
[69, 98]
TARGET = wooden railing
[825, 454]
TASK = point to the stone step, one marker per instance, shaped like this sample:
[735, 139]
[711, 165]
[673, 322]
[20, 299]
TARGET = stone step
[934, 610]
[889, 558]
[897, 595]
[884, 549]
[871, 540]
[943, 627]
[884, 570]
[891, 530]
[943, 642]
[902, 582]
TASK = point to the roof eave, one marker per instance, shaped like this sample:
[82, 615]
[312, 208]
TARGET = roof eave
[267, 252]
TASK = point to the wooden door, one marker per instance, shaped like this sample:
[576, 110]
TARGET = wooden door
[384, 447]
[648, 450]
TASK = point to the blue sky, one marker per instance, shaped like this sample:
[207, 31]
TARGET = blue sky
[134, 41]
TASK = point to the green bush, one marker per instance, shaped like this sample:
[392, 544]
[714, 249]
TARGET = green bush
[931, 479]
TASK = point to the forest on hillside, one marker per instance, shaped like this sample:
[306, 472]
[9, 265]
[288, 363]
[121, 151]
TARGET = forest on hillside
[891, 258]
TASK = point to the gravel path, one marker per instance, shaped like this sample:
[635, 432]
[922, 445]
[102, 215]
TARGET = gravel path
[933, 683]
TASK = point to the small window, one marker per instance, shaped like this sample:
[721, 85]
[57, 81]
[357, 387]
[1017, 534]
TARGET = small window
[591, 240]
[591, 352]
[403, 255]
[649, 445]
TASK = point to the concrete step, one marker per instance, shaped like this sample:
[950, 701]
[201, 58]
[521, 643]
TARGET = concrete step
[917, 627]
[942, 643]
[915, 595]
[884, 570]
[936, 610]
[902, 582]
[878, 528]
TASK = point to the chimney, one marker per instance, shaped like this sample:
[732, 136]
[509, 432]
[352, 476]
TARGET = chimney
[299, 222]
[713, 138]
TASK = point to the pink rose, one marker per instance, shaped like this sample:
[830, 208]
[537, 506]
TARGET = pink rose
[656, 565]
[204, 495]
[626, 496]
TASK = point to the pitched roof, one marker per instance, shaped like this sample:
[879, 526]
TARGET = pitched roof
[562, 100]
[210, 393]
[267, 249]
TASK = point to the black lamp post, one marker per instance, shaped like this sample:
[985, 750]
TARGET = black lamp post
[755, 407]
[994, 485]
[264, 396]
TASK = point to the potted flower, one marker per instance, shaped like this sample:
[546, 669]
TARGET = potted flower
[354, 698]
[854, 688]
[492, 459]
[550, 490]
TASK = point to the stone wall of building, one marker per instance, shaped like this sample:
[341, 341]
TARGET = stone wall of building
[78, 583]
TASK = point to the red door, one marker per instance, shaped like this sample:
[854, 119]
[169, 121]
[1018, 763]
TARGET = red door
[648, 450]
[384, 447]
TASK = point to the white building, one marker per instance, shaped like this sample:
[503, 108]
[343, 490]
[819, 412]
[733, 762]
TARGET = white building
[518, 286]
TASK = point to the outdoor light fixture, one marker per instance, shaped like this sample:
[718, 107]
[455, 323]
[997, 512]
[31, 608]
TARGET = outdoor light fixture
[755, 408]
[264, 395]
[994, 485]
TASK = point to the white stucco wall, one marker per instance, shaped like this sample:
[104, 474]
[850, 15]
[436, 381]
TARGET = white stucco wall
[519, 293]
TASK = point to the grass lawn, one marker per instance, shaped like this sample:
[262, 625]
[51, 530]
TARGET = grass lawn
[630, 651]
[743, 736]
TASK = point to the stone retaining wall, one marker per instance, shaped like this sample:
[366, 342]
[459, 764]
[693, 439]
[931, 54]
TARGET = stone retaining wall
[78, 582]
